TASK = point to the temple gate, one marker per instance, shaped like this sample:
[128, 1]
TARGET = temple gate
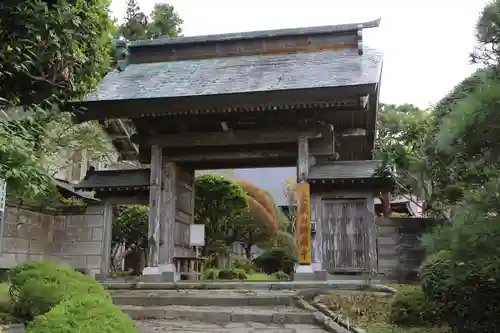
[303, 97]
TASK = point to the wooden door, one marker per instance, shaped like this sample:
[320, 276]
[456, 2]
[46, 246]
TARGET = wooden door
[346, 236]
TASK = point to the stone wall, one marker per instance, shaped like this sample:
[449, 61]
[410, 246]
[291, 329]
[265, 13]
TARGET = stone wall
[75, 238]
[399, 245]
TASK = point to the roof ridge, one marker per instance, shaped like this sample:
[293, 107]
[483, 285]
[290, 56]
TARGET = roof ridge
[324, 29]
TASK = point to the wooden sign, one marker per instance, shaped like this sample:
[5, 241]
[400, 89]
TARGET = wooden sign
[303, 224]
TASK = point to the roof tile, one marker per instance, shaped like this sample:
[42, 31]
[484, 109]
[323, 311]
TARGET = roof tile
[332, 68]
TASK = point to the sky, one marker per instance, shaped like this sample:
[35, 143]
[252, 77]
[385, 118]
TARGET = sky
[426, 43]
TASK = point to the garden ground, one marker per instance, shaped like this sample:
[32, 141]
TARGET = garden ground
[371, 311]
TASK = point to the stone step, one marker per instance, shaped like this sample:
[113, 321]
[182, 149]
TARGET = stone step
[228, 298]
[179, 326]
[246, 285]
[222, 315]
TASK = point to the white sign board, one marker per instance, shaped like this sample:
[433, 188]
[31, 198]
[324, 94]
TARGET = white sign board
[197, 235]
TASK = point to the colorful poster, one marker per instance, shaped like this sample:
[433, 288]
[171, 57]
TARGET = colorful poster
[303, 225]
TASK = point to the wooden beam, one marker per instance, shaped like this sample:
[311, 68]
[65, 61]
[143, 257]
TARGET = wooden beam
[226, 138]
[215, 156]
[302, 160]
[326, 145]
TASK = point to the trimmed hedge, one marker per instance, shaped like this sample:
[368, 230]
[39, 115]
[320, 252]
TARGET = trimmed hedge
[410, 307]
[54, 297]
[84, 314]
[37, 286]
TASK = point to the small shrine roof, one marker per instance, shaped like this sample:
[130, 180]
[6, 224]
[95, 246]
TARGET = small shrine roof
[115, 180]
[243, 74]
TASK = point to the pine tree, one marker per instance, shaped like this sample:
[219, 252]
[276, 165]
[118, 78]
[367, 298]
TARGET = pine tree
[135, 26]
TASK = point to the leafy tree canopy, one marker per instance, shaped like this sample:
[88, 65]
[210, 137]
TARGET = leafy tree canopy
[163, 21]
[51, 52]
[218, 202]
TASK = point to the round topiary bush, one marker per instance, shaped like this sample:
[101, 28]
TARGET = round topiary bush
[37, 286]
[275, 260]
[410, 307]
[84, 314]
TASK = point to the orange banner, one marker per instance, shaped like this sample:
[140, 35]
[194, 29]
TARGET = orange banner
[303, 225]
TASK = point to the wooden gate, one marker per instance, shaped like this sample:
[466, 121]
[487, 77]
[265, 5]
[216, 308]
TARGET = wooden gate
[346, 236]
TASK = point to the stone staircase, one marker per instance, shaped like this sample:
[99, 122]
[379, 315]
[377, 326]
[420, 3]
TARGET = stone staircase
[223, 310]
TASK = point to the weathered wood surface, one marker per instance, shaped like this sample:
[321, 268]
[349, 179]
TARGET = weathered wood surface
[346, 242]
[155, 204]
[225, 138]
[168, 212]
[400, 249]
[302, 160]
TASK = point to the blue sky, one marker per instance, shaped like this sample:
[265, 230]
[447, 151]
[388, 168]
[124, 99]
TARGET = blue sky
[426, 43]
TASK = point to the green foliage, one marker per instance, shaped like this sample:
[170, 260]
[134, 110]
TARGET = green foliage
[38, 286]
[218, 202]
[435, 272]
[211, 274]
[52, 52]
[131, 227]
[410, 307]
[84, 314]
[232, 274]
[243, 263]
[275, 260]
[487, 32]
[280, 275]
[163, 21]
[401, 129]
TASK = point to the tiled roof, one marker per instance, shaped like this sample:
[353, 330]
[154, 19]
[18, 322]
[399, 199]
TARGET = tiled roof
[108, 179]
[327, 29]
[345, 170]
[324, 69]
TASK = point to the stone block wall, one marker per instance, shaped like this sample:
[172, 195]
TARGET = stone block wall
[75, 238]
[399, 246]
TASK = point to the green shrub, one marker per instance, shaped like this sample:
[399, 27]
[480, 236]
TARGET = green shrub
[410, 307]
[232, 274]
[280, 275]
[275, 260]
[244, 263]
[211, 274]
[84, 314]
[465, 281]
[39, 286]
[435, 274]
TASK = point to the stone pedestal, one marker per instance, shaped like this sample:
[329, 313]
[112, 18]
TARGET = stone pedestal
[162, 273]
[309, 273]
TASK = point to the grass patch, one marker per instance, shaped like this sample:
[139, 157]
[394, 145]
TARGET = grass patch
[260, 277]
[371, 312]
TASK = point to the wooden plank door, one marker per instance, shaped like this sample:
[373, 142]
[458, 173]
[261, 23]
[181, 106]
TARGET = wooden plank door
[346, 236]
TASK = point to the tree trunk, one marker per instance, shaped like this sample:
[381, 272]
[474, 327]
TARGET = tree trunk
[248, 251]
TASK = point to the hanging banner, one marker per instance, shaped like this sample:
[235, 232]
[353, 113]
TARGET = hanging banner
[303, 224]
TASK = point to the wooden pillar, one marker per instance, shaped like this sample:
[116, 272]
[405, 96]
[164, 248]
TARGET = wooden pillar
[154, 207]
[302, 173]
[302, 160]
[168, 212]
[106, 239]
